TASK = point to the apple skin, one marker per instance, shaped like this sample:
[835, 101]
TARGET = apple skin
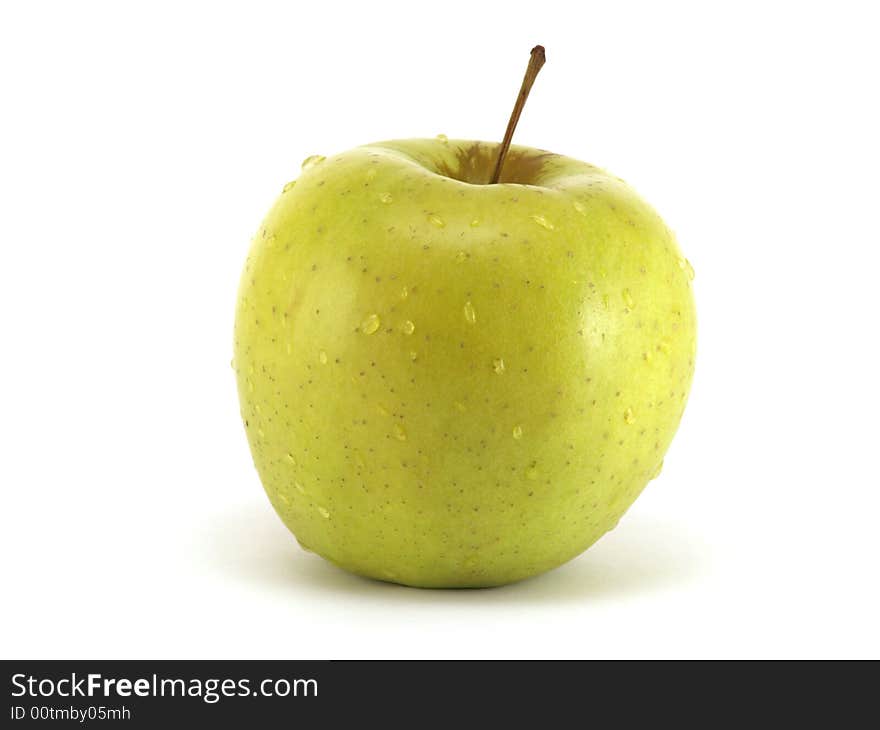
[452, 384]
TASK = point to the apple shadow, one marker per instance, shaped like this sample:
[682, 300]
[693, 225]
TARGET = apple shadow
[642, 555]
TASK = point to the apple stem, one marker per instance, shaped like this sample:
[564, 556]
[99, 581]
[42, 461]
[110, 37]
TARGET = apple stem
[536, 61]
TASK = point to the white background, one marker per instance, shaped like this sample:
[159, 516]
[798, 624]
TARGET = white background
[140, 146]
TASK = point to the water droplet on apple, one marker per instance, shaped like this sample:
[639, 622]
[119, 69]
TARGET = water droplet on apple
[289, 186]
[288, 348]
[517, 432]
[469, 313]
[629, 417]
[386, 198]
[686, 267]
[250, 385]
[460, 407]
[580, 207]
[322, 357]
[312, 160]
[532, 472]
[283, 498]
[437, 221]
[324, 512]
[261, 433]
[413, 355]
[656, 472]
[399, 432]
[462, 256]
[290, 458]
[299, 487]
[370, 324]
[627, 299]
[381, 410]
[408, 328]
[404, 293]
[498, 365]
[443, 138]
[543, 222]
[664, 346]
[475, 222]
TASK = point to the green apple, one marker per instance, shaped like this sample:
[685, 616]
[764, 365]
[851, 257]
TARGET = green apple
[452, 383]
